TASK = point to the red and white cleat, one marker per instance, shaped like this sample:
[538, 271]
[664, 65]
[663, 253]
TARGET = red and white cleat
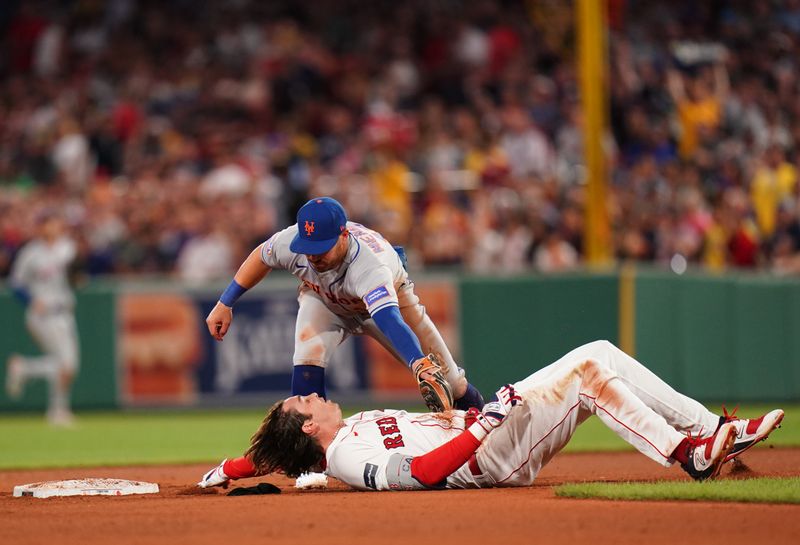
[706, 456]
[751, 431]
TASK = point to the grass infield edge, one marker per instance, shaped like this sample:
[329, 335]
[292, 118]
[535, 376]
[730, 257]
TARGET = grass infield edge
[755, 490]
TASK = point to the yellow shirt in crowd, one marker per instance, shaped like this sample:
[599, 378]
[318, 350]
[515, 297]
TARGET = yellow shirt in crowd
[693, 116]
[768, 189]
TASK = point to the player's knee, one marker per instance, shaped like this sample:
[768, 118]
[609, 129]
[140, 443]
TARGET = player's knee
[594, 376]
[68, 366]
[602, 347]
[413, 315]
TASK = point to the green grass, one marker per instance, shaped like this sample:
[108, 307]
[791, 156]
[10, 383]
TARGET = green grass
[126, 438]
[762, 490]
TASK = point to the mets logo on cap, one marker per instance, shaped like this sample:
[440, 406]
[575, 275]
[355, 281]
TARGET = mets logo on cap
[319, 223]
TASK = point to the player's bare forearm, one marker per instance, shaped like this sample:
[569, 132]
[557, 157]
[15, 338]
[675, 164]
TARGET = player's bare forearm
[252, 270]
[250, 273]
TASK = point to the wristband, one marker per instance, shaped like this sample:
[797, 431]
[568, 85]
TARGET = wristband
[232, 293]
[477, 430]
[22, 295]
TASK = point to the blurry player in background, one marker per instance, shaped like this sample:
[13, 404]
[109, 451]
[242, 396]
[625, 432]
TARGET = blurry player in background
[39, 280]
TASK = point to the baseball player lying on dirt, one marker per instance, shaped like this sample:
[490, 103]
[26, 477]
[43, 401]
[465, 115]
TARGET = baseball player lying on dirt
[511, 439]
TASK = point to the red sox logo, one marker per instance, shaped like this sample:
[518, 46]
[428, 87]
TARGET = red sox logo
[309, 227]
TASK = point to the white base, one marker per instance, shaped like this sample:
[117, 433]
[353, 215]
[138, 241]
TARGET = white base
[85, 487]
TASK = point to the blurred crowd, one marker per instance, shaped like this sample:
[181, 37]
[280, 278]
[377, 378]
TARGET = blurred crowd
[175, 136]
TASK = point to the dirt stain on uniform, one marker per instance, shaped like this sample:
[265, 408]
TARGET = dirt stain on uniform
[306, 334]
[593, 381]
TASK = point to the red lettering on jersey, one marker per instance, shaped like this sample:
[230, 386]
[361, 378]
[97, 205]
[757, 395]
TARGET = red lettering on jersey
[393, 442]
[344, 301]
[367, 239]
[312, 286]
[389, 430]
[388, 426]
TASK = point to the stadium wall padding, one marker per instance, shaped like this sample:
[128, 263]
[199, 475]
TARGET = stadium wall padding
[512, 327]
[720, 338]
[731, 338]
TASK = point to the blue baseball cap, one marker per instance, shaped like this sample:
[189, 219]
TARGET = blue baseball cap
[319, 223]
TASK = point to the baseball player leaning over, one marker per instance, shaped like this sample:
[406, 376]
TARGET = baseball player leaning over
[39, 280]
[353, 282]
[511, 439]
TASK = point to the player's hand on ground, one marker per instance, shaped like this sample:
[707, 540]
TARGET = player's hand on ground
[215, 477]
[496, 411]
[219, 320]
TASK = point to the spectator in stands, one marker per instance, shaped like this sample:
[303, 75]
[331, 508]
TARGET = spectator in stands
[136, 116]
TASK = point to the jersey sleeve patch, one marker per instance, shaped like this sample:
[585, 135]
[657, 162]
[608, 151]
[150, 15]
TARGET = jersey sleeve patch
[266, 250]
[370, 471]
[376, 295]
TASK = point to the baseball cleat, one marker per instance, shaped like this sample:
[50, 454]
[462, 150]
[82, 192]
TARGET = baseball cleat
[61, 418]
[751, 431]
[706, 456]
[14, 376]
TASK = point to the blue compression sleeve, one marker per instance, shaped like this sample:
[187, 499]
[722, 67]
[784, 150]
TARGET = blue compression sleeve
[22, 295]
[391, 323]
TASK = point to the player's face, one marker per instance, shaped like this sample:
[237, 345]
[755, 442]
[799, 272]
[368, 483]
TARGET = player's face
[319, 410]
[51, 228]
[332, 258]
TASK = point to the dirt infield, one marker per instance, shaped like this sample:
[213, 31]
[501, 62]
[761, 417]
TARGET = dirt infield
[337, 515]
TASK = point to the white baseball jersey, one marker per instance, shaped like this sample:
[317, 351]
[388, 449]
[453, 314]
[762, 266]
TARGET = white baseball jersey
[363, 284]
[360, 453]
[41, 268]
[596, 378]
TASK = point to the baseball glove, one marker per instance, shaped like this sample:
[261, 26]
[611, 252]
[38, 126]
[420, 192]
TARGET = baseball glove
[435, 390]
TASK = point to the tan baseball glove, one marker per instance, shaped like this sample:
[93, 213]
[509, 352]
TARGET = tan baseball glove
[435, 390]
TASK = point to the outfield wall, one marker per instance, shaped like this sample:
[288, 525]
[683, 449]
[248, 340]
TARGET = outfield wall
[720, 338]
[730, 338]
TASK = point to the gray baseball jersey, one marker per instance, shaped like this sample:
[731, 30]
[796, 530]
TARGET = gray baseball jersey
[364, 283]
[41, 268]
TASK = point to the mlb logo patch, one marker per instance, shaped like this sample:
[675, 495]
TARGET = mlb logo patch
[376, 294]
